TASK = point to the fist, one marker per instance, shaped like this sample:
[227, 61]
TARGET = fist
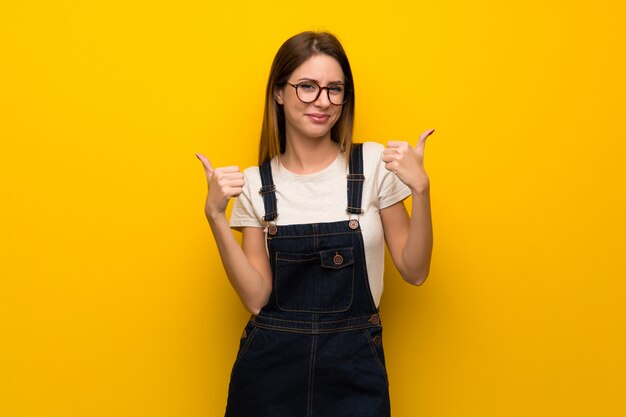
[223, 184]
[407, 162]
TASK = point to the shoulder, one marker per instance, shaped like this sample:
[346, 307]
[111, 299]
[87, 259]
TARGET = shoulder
[252, 175]
[372, 156]
[251, 171]
[370, 148]
[372, 153]
[251, 180]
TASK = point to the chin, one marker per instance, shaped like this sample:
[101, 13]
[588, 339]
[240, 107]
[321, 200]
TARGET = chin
[319, 135]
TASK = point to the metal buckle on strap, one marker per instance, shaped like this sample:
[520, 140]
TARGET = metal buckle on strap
[354, 210]
[270, 216]
[266, 189]
[356, 177]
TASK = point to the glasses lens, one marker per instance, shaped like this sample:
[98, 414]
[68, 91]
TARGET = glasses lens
[308, 92]
[337, 94]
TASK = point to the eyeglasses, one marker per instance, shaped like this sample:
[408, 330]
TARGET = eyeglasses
[309, 91]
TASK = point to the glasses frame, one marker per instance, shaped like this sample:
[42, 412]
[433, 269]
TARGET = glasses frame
[346, 94]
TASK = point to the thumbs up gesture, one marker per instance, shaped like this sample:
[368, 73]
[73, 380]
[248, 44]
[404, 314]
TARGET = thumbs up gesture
[224, 183]
[407, 162]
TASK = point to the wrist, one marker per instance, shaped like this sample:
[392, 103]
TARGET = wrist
[214, 216]
[422, 188]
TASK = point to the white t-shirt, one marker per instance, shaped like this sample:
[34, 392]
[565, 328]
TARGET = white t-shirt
[322, 197]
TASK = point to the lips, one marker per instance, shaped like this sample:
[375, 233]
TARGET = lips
[318, 117]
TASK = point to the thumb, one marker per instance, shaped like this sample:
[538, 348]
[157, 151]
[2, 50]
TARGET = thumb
[422, 140]
[208, 168]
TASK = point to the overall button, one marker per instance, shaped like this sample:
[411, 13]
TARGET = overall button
[353, 224]
[375, 319]
[272, 229]
[338, 259]
[377, 340]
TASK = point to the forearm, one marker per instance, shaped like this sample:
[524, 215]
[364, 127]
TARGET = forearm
[411, 246]
[416, 254]
[247, 281]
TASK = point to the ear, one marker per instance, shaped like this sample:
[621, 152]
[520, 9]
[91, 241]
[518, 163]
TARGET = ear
[278, 95]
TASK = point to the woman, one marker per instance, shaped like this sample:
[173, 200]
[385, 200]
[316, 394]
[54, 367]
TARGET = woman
[313, 217]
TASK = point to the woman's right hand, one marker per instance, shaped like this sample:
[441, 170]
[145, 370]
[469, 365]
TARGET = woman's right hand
[223, 183]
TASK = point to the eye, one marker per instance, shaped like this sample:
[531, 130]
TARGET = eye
[336, 89]
[307, 86]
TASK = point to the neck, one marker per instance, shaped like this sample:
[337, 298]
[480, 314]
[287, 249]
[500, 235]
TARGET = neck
[307, 156]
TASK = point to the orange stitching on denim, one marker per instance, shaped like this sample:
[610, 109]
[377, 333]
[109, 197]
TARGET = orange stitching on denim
[322, 322]
[304, 310]
[245, 347]
[319, 234]
[375, 353]
[311, 376]
[314, 332]
[298, 260]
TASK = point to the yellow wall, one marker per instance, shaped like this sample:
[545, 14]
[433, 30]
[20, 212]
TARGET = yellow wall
[113, 301]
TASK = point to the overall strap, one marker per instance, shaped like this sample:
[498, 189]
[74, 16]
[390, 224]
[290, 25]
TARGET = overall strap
[268, 191]
[355, 185]
[355, 180]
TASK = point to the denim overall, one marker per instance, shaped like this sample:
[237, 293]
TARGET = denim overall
[315, 349]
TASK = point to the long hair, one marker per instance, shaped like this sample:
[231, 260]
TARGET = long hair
[290, 56]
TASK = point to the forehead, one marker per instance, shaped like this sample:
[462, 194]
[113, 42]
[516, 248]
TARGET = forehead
[321, 68]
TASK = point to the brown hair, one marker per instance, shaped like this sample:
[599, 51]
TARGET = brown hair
[290, 56]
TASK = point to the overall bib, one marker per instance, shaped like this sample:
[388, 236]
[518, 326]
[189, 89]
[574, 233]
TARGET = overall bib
[315, 349]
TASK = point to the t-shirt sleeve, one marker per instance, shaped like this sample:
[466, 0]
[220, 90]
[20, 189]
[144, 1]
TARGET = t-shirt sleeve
[390, 188]
[243, 213]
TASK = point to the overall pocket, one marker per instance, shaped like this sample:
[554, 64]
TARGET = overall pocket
[244, 342]
[318, 282]
[375, 340]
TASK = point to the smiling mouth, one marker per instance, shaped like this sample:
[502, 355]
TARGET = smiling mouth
[318, 117]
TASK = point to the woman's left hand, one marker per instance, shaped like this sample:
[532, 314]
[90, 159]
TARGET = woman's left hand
[408, 162]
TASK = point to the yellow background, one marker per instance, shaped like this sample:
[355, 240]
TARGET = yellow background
[113, 300]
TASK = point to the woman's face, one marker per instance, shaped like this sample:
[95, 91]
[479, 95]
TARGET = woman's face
[311, 120]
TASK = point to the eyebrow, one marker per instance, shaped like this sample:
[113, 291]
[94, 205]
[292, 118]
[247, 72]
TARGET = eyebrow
[313, 79]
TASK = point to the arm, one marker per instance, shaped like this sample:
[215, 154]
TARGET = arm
[410, 240]
[246, 266]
